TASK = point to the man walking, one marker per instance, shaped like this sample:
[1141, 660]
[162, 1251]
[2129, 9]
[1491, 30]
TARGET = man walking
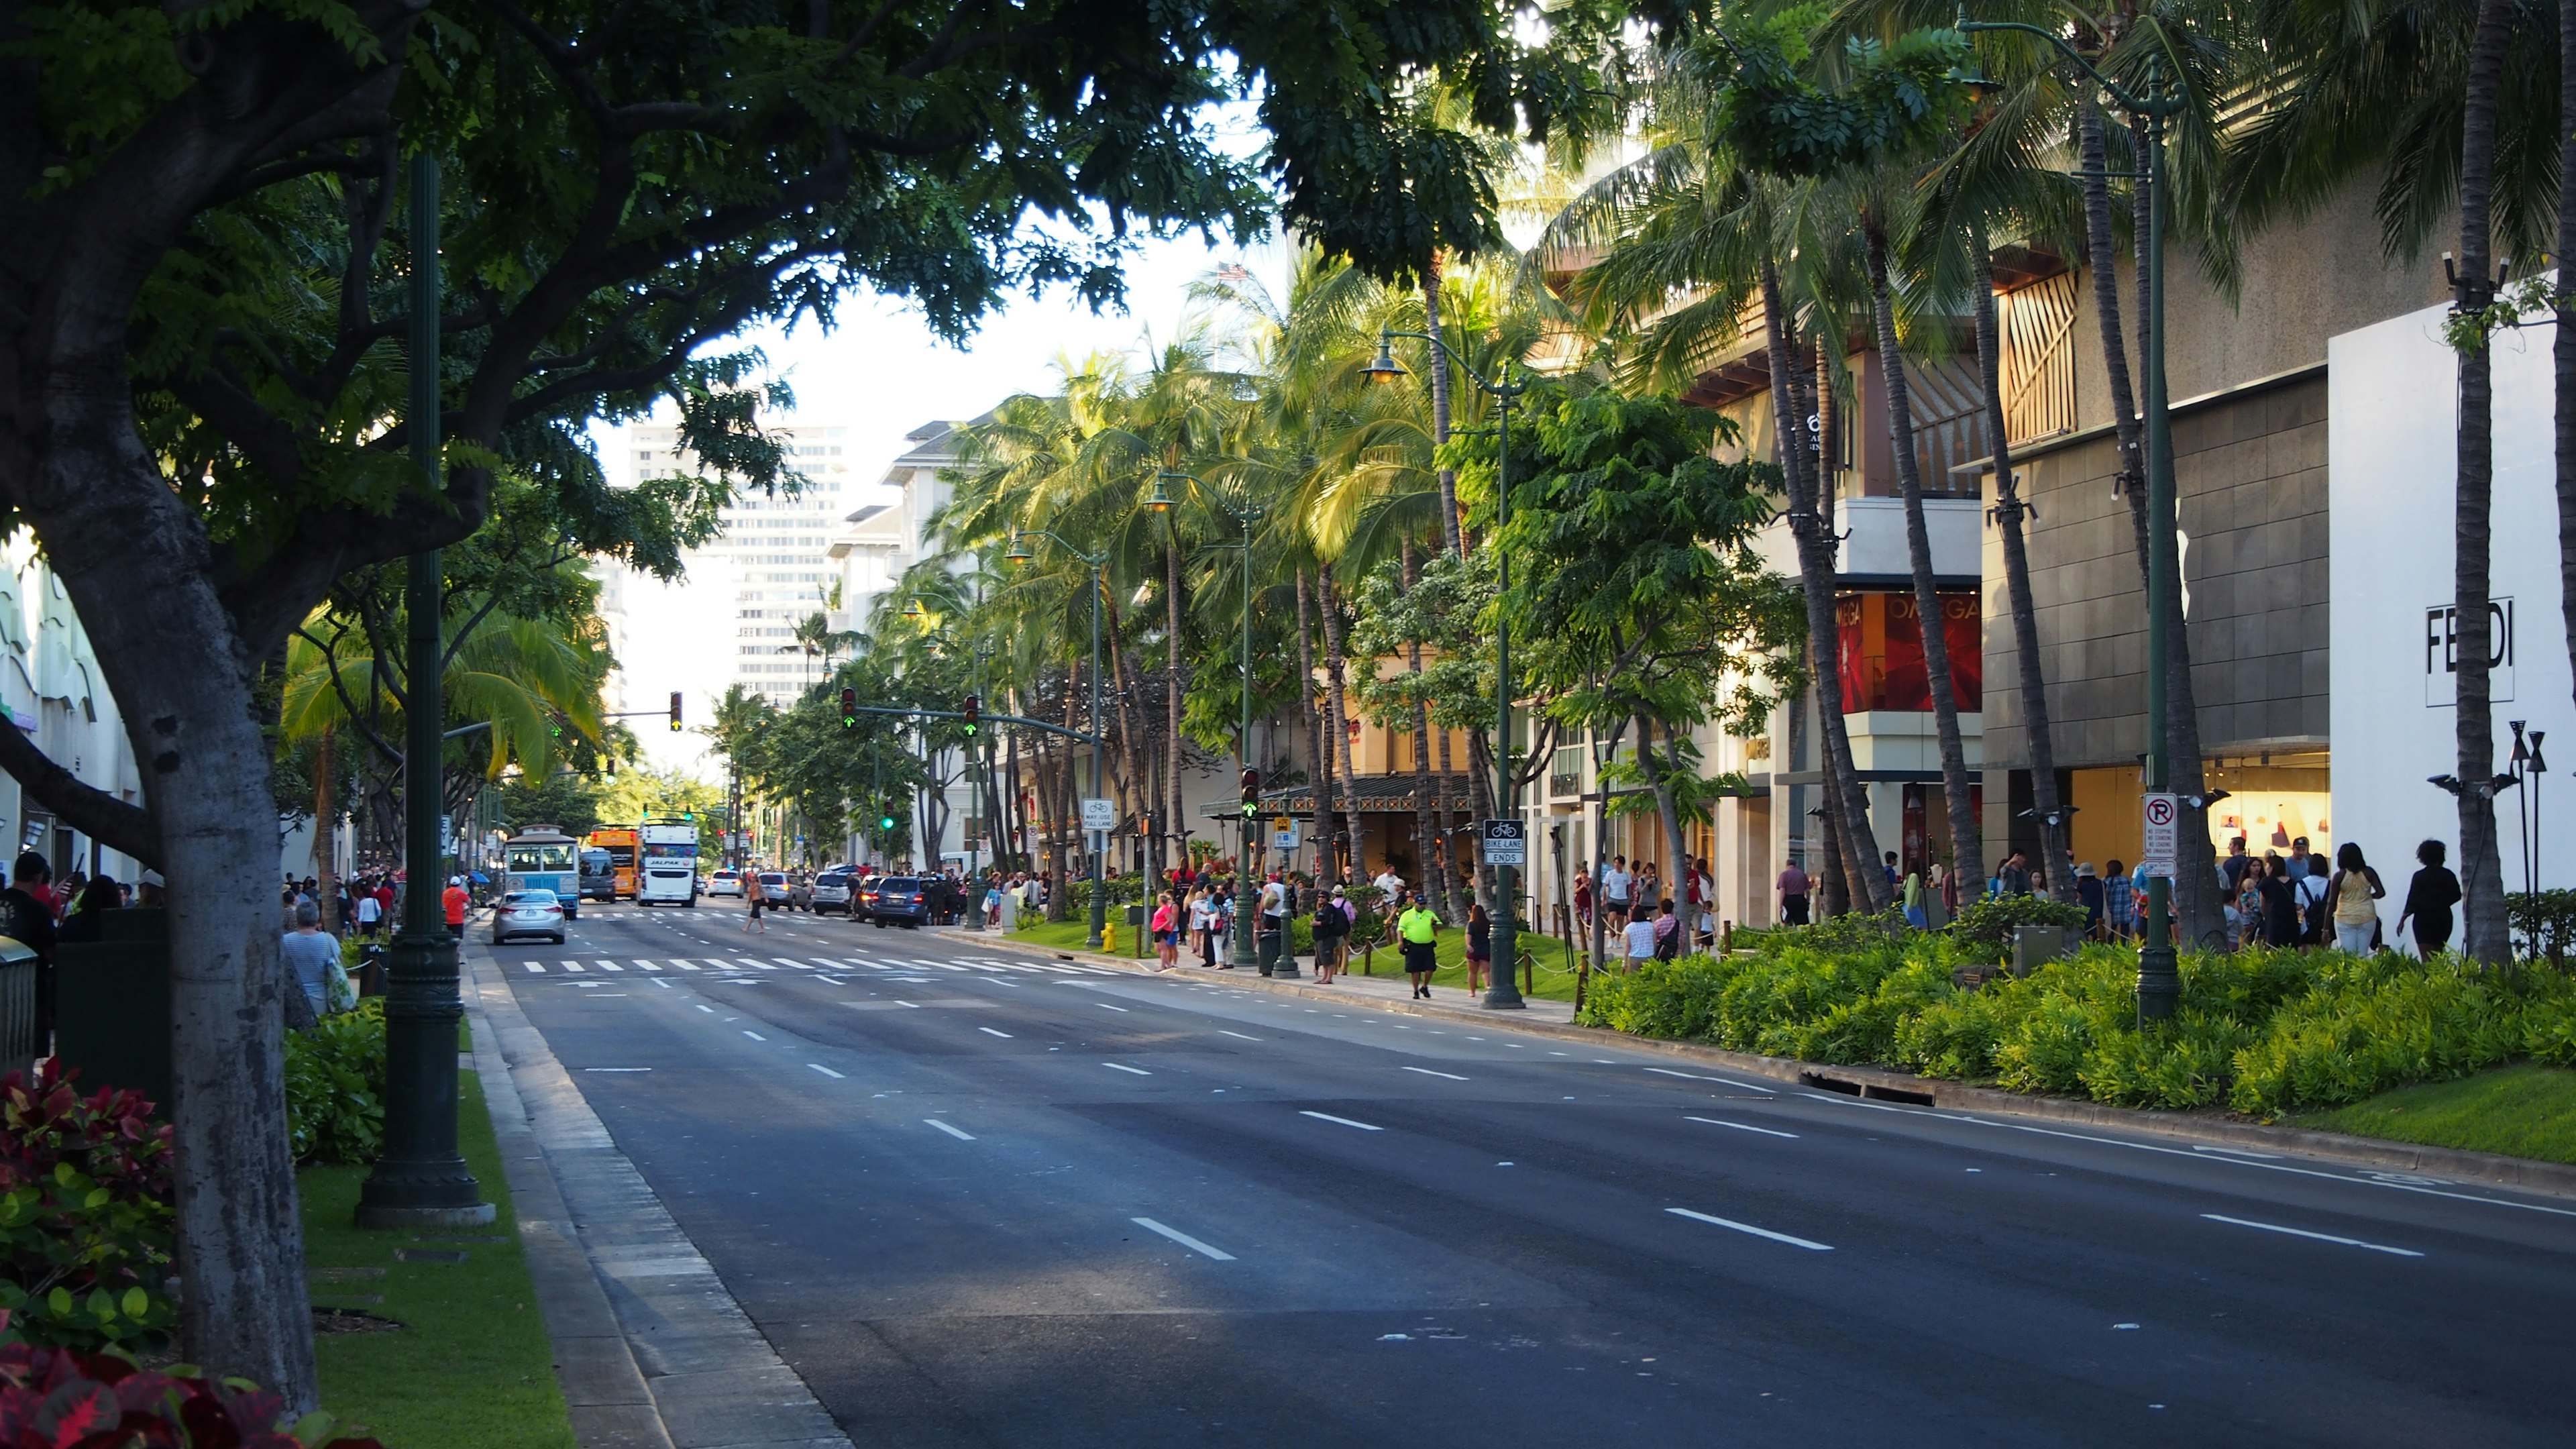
[1419, 930]
[1793, 886]
[1616, 884]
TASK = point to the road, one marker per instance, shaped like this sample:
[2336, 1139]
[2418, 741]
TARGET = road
[977, 1202]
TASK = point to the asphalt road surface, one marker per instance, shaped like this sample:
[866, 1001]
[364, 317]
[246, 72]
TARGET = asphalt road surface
[977, 1200]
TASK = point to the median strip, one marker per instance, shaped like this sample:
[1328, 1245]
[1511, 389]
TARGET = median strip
[1749, 1228]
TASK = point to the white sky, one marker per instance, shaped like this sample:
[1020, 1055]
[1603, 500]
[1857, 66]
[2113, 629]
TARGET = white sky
[881, 374]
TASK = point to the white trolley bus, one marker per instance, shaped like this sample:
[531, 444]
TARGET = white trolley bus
[667, 872]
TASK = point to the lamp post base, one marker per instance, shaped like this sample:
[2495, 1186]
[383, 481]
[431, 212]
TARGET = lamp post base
[2159, 984]
[421, 1181]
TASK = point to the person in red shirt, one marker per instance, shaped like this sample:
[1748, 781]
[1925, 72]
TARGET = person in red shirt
[455, 899]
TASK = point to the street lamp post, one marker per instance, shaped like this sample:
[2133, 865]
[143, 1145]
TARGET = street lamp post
[1504, 994]
[1247, 515]
[1020, 553]
[421, 1181]
[2159, 983]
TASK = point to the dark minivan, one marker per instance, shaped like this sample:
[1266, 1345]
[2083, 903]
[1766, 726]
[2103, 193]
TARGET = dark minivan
[897, 899]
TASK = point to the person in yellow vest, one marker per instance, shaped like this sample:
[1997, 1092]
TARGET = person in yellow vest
[1418, 929]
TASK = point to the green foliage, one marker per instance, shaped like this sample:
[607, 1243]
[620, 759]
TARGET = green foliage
[1892, 98]
[85, 1218]
[335, 1086]
[1983, 928]
[2262, 1031]
[2546, 922]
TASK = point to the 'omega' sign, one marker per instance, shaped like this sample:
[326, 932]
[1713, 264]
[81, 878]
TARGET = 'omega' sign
[2442, 653]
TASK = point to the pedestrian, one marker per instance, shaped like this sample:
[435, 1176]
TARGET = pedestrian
[1224, 933]
[1647, 884]
[2013, 876]
[2429, 898]
[2119, 903]
[2088, 894]
[1704, 901]
[1420, 930]
[1167, 933]
[1668, 932]
[1940, 897]
[2280, 902]
[757, 897]
[1270, 922]
[1615, 885]
[1793, 887]
[147, 890]
[1894, 876]
[1480, 947]
[2249, 902]
[369, 911]
[2356, 892]
[2233, 868]
[1637, 939]
[1332, 928]
[1583, 901]
[1915, 915]
[455, 899]
[97, 898]
[310, 955]
[2302, 863]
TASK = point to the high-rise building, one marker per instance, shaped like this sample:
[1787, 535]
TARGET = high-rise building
[771, 553]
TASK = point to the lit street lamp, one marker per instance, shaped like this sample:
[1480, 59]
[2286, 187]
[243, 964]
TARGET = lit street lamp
[1505, 992]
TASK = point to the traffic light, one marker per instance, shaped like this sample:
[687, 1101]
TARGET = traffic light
[885, 822]
[849, 708]
[974, 712]
[675, 711]
[1251, 793]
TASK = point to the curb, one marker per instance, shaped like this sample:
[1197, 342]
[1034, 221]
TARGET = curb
[1879, 1084]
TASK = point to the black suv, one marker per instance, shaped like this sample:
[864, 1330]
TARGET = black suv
[897, 899]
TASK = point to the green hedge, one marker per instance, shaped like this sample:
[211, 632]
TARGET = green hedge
[2261, 1031]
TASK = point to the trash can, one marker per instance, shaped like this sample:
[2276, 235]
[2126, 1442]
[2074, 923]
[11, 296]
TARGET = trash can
[18, 1044]
[112, 1005]
[2034, 946]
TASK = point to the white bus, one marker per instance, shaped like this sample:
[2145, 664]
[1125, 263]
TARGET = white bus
[668, 872]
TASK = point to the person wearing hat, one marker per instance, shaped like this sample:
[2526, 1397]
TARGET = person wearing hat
[2088, 891]
[455, 899]
[147, 889]
[1332, 925]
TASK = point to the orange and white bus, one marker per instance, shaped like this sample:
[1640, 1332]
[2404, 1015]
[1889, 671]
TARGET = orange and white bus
[620, 845]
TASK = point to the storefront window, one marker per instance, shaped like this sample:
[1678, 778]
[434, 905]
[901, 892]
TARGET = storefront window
[1883, 666]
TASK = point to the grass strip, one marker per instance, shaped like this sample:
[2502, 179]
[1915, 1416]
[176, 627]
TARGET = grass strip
[2521, 1111]
[1554, 976]
[471, 1368]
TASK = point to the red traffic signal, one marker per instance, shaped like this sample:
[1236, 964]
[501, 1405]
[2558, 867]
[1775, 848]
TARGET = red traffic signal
[849, 708]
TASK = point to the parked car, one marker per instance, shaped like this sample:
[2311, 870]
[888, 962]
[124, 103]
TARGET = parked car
[773, 888]
[833, 890]
[725, 883]
[898, 900]
[528, 913]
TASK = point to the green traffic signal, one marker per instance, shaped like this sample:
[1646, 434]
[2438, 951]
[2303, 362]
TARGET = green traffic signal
[885, 822]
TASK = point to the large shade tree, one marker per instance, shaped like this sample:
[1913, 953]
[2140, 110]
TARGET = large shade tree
[201, 252]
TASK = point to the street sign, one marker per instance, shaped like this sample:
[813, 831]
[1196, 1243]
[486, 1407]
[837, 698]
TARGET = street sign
[1503, 842]
[1283, 833]
[1099, 814]
[2163, 842]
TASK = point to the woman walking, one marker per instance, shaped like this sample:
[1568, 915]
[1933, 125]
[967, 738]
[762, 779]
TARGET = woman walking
[2280, 903]
[1167, 933]
[2429, 898]
[753, 922]
[1940, 899]
[1638, 937]
[1480, 947]
[2355, 891]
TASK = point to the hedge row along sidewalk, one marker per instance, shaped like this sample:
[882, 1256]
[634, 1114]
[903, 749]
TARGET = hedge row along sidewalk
[1835, 1001]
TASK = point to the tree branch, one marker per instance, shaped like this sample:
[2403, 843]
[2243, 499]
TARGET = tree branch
[86, 808]
[348, 706]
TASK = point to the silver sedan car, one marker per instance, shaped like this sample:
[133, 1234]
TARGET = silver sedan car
[528, 913]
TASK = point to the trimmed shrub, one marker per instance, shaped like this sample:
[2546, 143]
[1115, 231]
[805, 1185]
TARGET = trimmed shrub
[54, 1398]
[85, 1219]
[335, 1086]
[1983, 929]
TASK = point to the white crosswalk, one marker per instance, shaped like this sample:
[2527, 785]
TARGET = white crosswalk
[739, 964]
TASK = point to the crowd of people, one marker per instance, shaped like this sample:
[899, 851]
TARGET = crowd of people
[1641, 908]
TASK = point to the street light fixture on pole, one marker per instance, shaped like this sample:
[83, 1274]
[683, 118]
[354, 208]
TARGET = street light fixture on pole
[1504, 994]
[1250, 513]
[1020, 553]
[2159, 983]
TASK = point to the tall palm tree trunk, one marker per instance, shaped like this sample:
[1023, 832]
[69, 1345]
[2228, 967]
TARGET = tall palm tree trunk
[1328, 868]
[2009, 510]
[1449, 533]
[2484, 936]
[1966, 842]
[1426, 837]
[1809, 527]
[1338, 697]
[326, 830]
[1175, 818]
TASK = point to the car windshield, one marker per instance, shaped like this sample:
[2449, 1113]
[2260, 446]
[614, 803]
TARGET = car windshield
[771, 877]
[530, 898]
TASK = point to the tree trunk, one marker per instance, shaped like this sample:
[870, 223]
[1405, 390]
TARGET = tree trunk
[1833, 883]
[1966, 843]
[1176, 817]
[1603, 751]
[1328, 868]
[1809, 527]
[326, 890]
[1339, 698]
[2025, 613]
[1449, 535]
[2483, 935]
[1659, 778]
[2102, 258]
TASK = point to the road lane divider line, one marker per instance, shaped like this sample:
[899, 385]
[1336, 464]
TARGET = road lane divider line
[755, 1036]
[1345, 1121]
[1105, 1006]
[2320, 1237]
[617, 1069]
[1728, 1081]
[1221, 1031]
[1749, 1228]
[709, 1010]
[826, 1071]
[1184, 1239]
[1426, 1071]
[658, 981]
[915, 1005]
[1116, 1067]
[1739, 1126]
[989, 1031]
[951, 1131]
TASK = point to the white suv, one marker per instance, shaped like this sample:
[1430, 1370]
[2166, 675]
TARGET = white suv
[725, 883]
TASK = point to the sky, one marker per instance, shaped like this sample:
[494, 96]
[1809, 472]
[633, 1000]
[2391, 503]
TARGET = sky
[882, 373]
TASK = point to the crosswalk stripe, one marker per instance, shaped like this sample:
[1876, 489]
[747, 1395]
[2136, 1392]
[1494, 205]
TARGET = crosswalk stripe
[610, 966]
[983, 966]
[573, 966]
[685, 965]
[538, 967]
[798, 965]
[646, 966]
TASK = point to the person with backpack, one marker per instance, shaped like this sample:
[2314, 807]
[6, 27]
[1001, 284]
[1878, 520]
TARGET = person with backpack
[1332, 928]
[1668, 933]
